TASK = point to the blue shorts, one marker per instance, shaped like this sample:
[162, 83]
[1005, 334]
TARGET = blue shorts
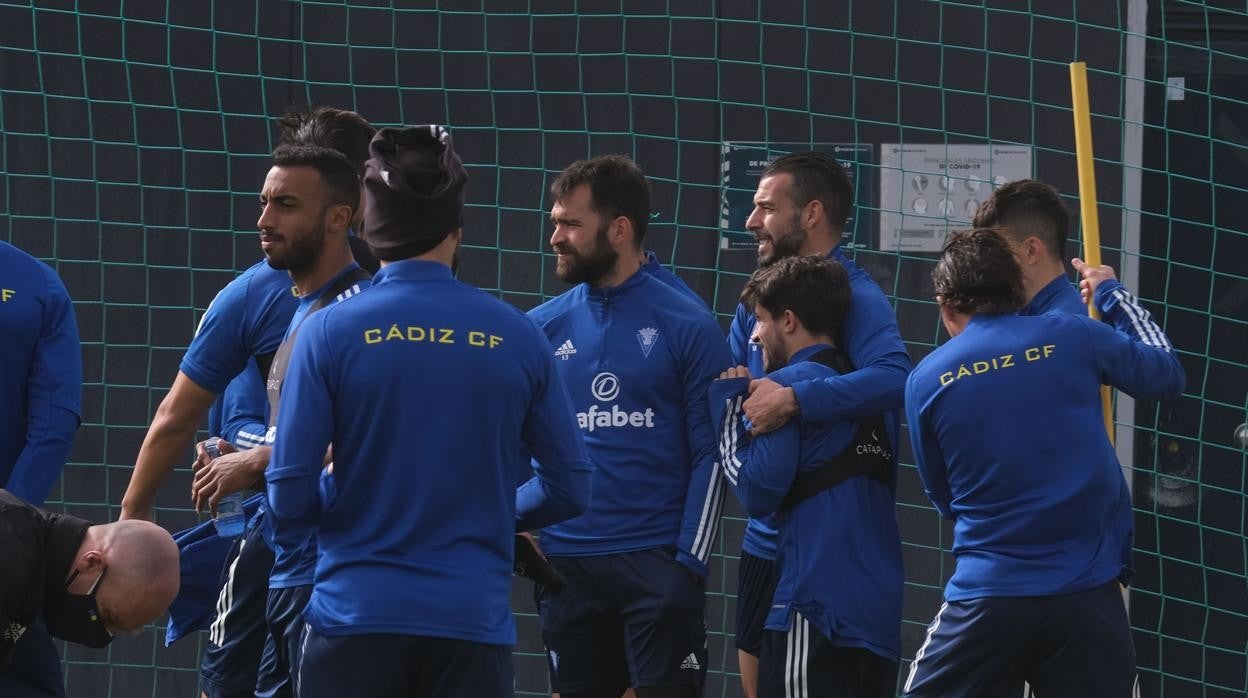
[236, 636]
[756, 587]
[1070, 645]
[284, 613]
[35, 668]
[802, 662]
[397, 666]
[627, 619]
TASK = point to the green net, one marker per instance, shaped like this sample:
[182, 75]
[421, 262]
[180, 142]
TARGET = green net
[135, 138]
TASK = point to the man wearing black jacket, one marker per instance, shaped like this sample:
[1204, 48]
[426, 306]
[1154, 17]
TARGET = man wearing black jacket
[89, 581]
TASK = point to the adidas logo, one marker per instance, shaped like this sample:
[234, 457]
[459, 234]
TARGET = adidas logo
[691, 662]
[565, 350]
[348, 293]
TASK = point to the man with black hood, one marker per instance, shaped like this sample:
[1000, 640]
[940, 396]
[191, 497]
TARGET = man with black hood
[433, 394]
[88, 581]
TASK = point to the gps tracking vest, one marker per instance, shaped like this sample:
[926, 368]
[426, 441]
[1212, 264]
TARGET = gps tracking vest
[869, 454]
[281, 359]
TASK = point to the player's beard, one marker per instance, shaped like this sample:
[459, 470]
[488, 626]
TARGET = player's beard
[588, 266]
[772, 360]
[302, 250]
[786, 244]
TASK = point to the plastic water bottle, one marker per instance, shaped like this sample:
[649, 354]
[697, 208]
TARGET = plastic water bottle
[230, 519]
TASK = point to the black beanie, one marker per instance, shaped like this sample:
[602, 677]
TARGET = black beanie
[413, 191]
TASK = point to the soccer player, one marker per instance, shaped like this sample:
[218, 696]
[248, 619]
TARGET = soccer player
[40, 403]
[834, 626]
[1042, 524]
[800, 208]
[1033, 219]
[248, 319]
[414, 570]
[637, 356]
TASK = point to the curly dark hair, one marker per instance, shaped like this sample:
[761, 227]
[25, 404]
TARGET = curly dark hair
[815, 288]
[329, 127]
[977, 273]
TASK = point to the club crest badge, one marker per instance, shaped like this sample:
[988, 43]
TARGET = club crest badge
[646, 337]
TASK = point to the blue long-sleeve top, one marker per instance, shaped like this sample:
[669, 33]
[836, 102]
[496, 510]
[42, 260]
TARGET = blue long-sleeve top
[295, 565]
[873, 344]
[656, 269]
[434, 395]
[247, 318]
[241, 414]
[40, 375]
[1057, 295]
[1037, 511]
[839, 552]
[637, 359]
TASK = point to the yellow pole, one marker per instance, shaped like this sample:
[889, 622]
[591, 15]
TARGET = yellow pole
[1087, 198]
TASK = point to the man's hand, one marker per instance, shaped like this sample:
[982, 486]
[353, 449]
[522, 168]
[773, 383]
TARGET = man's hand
[532, 563]
[769, 406]
[1092, 277]
[202, 458]
[232, 472]
[735, 372]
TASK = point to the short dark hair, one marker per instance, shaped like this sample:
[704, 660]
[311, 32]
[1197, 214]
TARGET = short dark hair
[1027, 208]
[329, 127]
[815, 288]
[978, 273]
[341, 181]
[617, 188]
[819, 176]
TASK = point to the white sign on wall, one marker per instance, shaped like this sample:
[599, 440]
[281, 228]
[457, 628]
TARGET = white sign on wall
[928, 190]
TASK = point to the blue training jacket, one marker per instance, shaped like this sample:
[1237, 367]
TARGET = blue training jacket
[295, 565]
[1037, 511]
[247, 318]
[435, 394]
[637, 359]
[40, 375]
[654, 268]
[1057, 295]
[873, 344]
[839, 554]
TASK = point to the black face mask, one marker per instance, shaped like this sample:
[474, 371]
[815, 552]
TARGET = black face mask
[77, 618]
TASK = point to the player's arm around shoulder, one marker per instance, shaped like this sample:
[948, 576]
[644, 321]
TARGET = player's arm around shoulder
[1139, 358]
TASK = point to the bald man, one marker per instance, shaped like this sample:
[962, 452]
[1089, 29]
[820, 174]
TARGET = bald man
[89, 581]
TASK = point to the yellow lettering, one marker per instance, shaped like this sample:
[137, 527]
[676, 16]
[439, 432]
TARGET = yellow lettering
[962, 371]
[495, 340]
[1007, 361]
[394, 333]
[415, 334]
[372, 336]
[447, 337]
[476, 339]
[5, 294]
[981, 366]
[946, 378]
[1048, 350]
[1032, 354]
